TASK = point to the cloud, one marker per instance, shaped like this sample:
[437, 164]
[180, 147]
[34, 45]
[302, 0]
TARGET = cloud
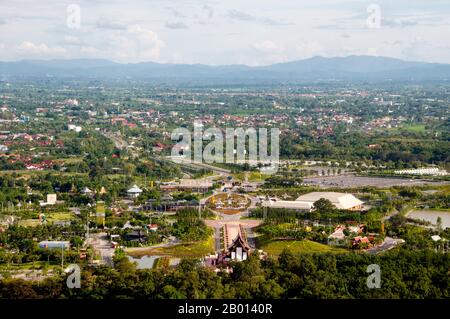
[242, 16]
[358, 21]
[137, 43]
[209, 10]
[396, 42]
[397, 23]
[307, 49]
[30, 48]
[223, 32]
[72, 40]
[109, 25]
[176, 13]
[268, 46]
[176, 25]
[89, 50]
[148, 41]
[372, 51]
[423, 50]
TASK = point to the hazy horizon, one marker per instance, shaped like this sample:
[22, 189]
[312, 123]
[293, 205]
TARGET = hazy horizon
[212, 65]
[253, 33]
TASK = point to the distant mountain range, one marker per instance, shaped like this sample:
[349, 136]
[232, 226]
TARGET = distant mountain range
[356, 68]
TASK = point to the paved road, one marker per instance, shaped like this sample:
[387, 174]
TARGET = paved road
[251, 238]
[118, 141]
[184, 161]
[217, 238]
[393, 213]
[387, 244]
[233, 223]
[102, 245]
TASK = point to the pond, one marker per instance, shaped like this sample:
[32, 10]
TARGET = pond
[147, 262]
[431, 216]
[144, 262]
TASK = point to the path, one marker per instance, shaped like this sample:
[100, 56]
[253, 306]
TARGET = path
[387, 244]
[184, 161]
[233, 223]
[393, 213]
[102, 245]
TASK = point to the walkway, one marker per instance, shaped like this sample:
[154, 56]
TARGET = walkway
[102, 245]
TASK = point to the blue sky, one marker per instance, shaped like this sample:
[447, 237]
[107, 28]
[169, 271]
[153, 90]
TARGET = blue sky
[252, 32]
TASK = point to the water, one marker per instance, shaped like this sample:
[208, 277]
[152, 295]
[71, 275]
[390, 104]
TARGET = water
[431, 216]
[147, 262]
[144, 262]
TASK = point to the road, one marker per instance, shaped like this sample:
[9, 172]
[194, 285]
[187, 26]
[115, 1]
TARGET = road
[233, 223]
[121, 143]
[184, 161]
[217, 238]
[387, 244]
[102, 245]
[393, 213]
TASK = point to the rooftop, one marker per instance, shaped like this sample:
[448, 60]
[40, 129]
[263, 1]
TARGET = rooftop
[340, 200]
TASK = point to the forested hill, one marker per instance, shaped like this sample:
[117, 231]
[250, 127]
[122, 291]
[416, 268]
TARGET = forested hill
[351, 68]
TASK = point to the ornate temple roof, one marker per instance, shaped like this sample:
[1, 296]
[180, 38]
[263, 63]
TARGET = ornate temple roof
[239, 241]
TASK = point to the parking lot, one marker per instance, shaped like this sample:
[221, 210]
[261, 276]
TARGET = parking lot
[360, 181]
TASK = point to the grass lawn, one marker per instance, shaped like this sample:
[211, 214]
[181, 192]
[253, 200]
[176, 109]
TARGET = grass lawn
[29, 222]
[61, 216]
[51, 217]
[28, 266]
[257, 177]
[416, 128]
[252, 176]
[72, 160]
[183, 250]
[275, 247]
[26, 174]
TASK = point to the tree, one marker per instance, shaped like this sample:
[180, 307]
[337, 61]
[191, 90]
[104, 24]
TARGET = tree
[76, 241]
[323, 205]
[439, 224]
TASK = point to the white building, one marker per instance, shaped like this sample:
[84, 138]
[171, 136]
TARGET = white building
[306, 202]
[86, 191]
[54, 244]
[72, 127]
[339, 200]
[188, 184]
[288, 204]
[433, 171]
[134, 191]
[51, 200]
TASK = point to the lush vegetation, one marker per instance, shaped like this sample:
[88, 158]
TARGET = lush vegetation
[404, 274]
[189, 226]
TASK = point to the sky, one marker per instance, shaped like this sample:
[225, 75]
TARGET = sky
[222, 32]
